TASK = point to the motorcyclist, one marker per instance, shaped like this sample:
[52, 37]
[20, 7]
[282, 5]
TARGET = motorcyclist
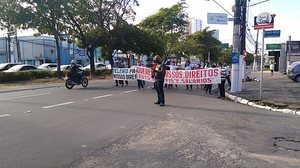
[76, 72]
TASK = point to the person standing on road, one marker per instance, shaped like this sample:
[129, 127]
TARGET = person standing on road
[140, 82]
[222, 84]
[272, 67]
[159, 76]
[227, 71]
[188, 67]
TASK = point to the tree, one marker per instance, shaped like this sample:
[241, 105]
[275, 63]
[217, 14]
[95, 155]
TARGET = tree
[170, 24]
[46, 17]
[130, 38]
[209, 44]
[95, 23]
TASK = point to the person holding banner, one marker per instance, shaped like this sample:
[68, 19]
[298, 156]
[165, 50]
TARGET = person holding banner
[188, 67]
[159, 71]
[140, 82]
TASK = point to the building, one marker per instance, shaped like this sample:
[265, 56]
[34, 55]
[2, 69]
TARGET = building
[42, 49]
[216, 35]
[194, 25]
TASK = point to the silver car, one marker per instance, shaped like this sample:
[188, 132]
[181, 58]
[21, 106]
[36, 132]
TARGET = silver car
[294, 71]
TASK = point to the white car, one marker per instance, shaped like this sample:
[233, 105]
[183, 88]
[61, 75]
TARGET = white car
[67, 67]
[22, 67]
[47, 66]
[98, 66]
[6, 66]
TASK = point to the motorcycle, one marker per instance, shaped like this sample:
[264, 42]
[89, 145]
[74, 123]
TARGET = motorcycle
[70, 83]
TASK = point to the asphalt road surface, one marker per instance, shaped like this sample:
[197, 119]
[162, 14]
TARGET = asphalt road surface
[106, 126]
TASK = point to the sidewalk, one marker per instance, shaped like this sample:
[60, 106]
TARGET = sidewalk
[278, 92]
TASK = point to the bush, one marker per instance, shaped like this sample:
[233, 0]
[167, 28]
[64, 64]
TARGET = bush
[39, 74]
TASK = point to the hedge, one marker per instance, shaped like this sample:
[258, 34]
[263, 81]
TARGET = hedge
[39, 74]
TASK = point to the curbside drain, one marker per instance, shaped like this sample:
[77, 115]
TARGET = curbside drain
[286, 144]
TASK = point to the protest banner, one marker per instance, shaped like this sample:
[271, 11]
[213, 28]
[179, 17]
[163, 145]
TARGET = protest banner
[124, 73]
[199, 76]
[179, 77]
[144, 73]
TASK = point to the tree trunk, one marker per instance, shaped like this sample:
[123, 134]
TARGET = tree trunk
[57, 55]
[91, 56]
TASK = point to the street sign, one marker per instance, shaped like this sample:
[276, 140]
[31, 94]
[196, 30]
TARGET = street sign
[235, 58]
[272, 33]
[264, 21]
[217, 18]
[273, 47]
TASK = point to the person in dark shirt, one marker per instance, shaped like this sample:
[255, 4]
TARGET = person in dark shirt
[159, 76]
[76, 72]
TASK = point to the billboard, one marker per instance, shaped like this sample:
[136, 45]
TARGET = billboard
[217, 18]
[295, 47]
[264, 21]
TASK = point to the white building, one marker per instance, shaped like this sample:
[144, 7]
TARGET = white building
[216, 34]
[194, 25]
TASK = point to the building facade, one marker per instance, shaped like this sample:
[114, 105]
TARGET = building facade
[194, 25]
[42, 49]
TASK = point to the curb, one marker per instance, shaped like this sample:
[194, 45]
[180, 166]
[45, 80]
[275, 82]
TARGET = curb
[29, 88]
[249, 103]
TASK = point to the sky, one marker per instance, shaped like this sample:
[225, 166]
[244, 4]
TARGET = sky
[287, 17]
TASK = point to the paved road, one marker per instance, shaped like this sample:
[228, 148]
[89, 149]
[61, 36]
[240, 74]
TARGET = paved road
[107, 126]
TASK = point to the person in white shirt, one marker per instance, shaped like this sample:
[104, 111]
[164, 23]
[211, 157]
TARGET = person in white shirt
[272, 66]
[227, 71]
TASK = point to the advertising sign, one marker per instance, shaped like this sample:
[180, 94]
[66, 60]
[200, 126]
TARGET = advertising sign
[264, 21]
[295, 47]
[217, 18]
[272, 33]
[273, 47]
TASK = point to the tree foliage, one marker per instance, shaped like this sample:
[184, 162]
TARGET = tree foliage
[170, 24]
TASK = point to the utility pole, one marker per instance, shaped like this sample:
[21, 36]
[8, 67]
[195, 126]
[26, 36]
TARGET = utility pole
[8, 45]
[256, 52]
[243, 25]
[235, 71]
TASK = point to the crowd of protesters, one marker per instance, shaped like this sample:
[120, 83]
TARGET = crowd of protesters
[159, 68]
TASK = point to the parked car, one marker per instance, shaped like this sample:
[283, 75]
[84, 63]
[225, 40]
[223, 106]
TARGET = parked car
[98, 66]
[6, 66]
[294, 71]
[47, 66]
[22, 67]
[67, 67]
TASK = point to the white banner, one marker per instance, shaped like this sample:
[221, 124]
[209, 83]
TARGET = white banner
[180, 77]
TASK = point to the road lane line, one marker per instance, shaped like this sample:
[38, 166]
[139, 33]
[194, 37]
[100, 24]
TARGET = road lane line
[56, 105]
[103, 96]
[129, 91]
[5, 115]
[42, 94]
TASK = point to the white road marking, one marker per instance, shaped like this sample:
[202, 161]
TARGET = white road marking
[83, 146]
[26, 96]
[129, 91]
[103, 96]
[5, 115]
[28, 111]
[56, 105]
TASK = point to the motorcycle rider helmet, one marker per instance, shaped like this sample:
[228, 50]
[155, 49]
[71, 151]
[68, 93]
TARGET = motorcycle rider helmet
[73, 61]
